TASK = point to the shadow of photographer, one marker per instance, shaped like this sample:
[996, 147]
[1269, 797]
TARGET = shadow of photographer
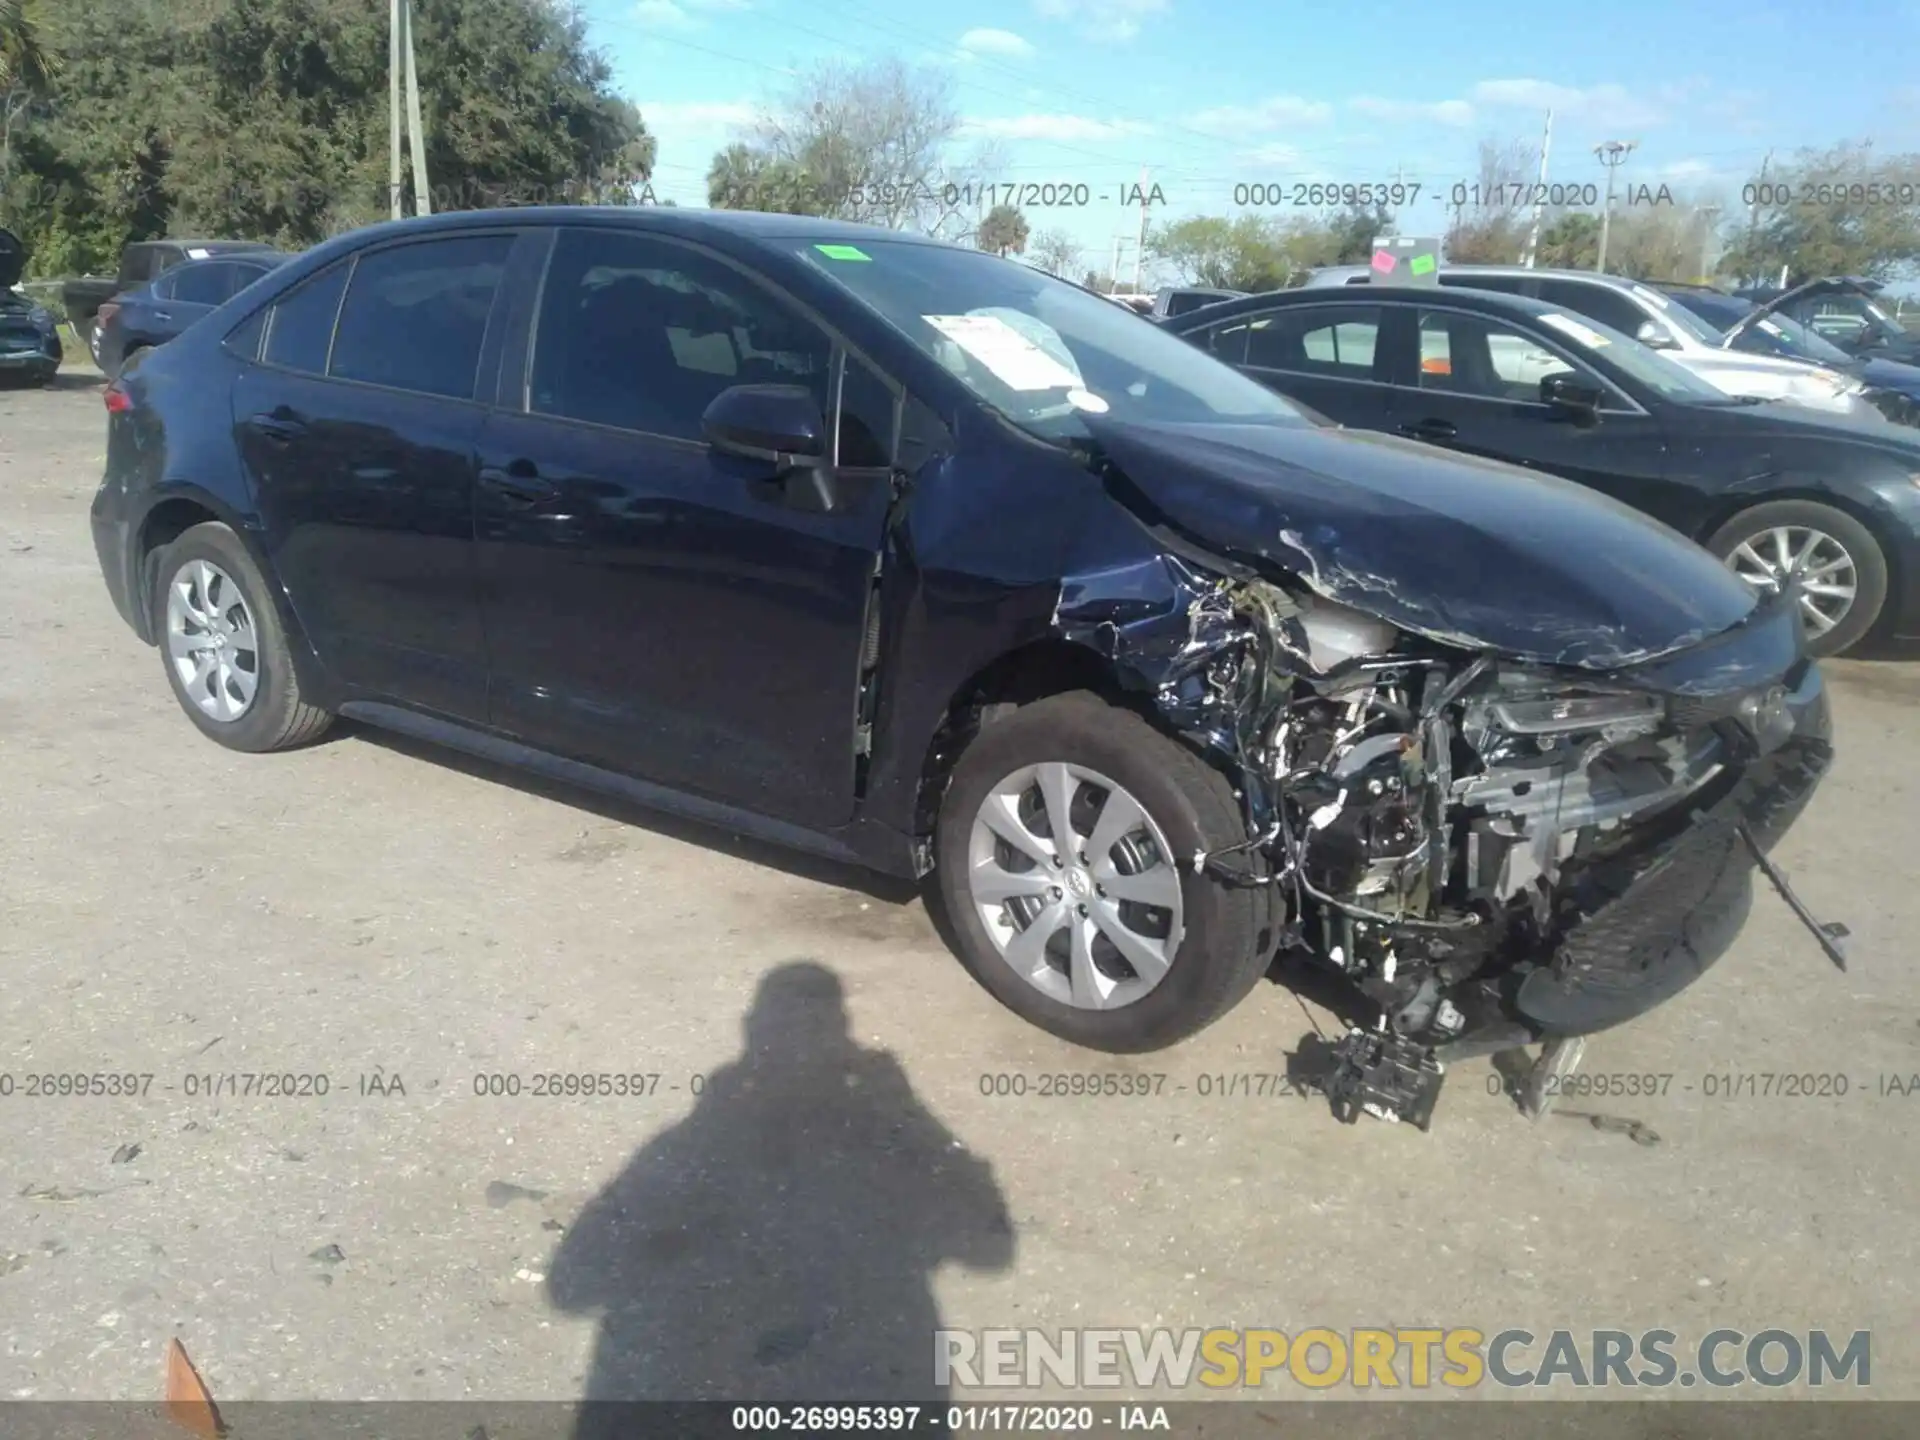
[779, 1243]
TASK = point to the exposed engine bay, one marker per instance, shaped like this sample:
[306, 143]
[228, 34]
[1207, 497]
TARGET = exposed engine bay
[1454, 833]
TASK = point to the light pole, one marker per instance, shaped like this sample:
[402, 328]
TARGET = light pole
[1708, 213]
[1612, 154]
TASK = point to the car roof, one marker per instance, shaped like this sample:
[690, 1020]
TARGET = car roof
[1327, 274]
[665, 219]
[1469, 299]
[169, 242]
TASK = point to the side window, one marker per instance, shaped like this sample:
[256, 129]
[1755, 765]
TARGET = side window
[1336, 341]
[1472, 355]
[244, 339]
[300, 328]
[866, 416]
[1228, 341]
[415, 315]
[243, 276]
[1596, 302]
[202, 284]
[642, 333]
[1505, 284]
[162, 289]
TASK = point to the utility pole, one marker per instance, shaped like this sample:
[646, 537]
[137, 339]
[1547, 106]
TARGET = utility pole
[1540, 196]
[422, 202]
[1140, 252]
[402, 74]
[1113, 275]
[1707, 215]
[1753, 214]
[1612, 154]
[394, 64]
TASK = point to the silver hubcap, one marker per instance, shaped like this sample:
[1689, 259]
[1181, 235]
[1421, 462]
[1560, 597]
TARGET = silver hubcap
[93, 343]
[1076, 886]
[1828, 581]
[211, 640]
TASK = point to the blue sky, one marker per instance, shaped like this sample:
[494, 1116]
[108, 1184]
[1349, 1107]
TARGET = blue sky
[1205, 95]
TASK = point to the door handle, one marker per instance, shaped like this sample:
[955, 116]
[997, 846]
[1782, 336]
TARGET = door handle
[163, 315]
[1431, 430]
[519, 483]
[278, 427]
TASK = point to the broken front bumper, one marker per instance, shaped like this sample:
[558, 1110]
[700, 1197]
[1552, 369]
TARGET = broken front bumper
[1639, 928]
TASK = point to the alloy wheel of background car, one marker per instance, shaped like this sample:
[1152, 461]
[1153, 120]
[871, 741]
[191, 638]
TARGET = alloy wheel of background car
[93, 340]
[212, 641]
[1842, 574]
[1076, 886]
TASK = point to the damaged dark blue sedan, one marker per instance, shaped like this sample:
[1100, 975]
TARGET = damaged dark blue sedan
[917, 558]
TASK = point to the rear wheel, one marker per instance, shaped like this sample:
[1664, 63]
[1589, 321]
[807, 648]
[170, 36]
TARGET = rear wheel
[221, 642]
[93, 342]
[1840, 566]
[1063, 862]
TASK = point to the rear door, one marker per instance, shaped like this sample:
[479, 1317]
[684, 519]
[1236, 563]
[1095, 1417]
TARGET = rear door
[1478, 391]
[1333, 357]
[358, 428]
[173, 302]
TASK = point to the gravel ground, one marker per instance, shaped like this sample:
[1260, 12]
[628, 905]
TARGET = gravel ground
[801, 1190]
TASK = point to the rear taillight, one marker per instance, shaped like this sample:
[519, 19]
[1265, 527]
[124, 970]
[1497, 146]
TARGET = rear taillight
[118, 401]
[106, 312]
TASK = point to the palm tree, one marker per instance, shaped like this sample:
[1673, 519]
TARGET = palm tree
[24, 62]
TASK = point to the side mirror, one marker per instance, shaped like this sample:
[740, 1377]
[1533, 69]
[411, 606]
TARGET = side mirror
[780, 423]
[1581, 402]
[1654, 336]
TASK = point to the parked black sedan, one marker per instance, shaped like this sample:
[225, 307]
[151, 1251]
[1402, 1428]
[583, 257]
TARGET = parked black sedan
[1779, 493]
[925, 560]
[153, 313]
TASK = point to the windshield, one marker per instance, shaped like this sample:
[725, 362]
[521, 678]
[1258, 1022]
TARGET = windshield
[1774, 334]
[1589, 338]
[1042, 352]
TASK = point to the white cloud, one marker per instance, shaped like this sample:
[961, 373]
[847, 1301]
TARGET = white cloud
[662, 15]
[1105, 20]
[1054, 127]
[1276, 112]
[995, 42]
[1686, 170]
[1284, 156]
[1440, 112]
[673, 14]
[698, 114]
[1603, 104]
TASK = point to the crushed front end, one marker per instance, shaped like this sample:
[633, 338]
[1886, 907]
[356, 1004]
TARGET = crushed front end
[1491, 851]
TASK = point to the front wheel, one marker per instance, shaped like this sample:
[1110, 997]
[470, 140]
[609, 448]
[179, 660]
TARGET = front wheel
[1064, 861]
[1840, 566]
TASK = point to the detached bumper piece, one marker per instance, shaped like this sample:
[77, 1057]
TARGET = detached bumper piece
[1383, 1075]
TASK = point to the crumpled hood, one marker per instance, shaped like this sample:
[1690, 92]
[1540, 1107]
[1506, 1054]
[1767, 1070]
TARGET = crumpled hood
[1466, 551]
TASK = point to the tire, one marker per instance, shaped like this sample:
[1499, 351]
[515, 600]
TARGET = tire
[93, 344]
[1227, 932]
[1868, 561]
[274, 716]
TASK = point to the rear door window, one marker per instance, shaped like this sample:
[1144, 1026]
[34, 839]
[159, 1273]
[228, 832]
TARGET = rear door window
[202, 284]
[300, 327]
[1336, 341]
[415, 315]
[1597, 302]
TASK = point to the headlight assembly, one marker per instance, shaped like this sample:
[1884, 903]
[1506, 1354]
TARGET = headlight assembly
[1564, 714]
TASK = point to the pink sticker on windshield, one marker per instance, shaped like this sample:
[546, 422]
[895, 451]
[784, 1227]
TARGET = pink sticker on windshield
[1383, 262]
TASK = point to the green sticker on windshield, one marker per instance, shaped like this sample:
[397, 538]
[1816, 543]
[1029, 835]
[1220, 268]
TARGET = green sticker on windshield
[1422, 265]
[843, 252]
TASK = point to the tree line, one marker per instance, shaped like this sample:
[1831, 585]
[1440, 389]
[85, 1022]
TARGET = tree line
[124, 120]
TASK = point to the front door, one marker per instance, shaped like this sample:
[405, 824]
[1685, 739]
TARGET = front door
[1478, 391]
[654, 606]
